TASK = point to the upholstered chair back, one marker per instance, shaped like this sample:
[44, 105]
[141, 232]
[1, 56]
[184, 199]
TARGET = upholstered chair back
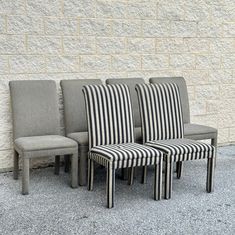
[161, 112]
[35, 108]
[109, 114]
[74, 104]
[131, 82]
[180, 81]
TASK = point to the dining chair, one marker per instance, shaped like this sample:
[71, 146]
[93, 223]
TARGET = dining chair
[36, 128]
[131, 82]
[111, 137]
[191, 130]
[163, 129]
[75, 121]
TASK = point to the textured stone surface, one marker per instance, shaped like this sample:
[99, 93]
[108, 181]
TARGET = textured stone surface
[44, 7]
[10, 44]
[156, 28]
[141, 45]
[79, 45]
[124, 63]
[93, 27]
[62, 64]
[87, 39]
[84, 8]
[151, 62]
[61, 26]
[44, 45]
[24, 24]
[111, 45]
[95, 63]
[27, 64]
[124, 28]
[111, 9]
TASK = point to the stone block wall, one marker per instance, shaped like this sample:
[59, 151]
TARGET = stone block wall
[74, 39]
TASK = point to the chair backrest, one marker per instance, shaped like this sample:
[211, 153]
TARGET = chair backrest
[35, 108]
[130, 82]
[160, 109]
[180, 81]
[74, 105]
[109, 114]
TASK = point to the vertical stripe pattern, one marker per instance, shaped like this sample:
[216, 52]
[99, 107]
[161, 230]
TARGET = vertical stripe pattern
[109, 112]
[162, 125]
[111, 136]
[161, 112]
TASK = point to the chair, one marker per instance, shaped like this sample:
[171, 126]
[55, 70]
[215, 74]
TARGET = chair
[111, 136]
[131, 82]
[163, 129]
[191, 131]
[75, 120]
[36, 127]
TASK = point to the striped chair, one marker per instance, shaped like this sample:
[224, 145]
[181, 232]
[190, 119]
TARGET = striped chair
[111, 136]
[162, 128]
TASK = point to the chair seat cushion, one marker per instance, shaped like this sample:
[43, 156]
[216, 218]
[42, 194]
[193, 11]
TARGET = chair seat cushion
[48, 142]
[183, 149]
[80, 137]
[191, 130]
[125, 155]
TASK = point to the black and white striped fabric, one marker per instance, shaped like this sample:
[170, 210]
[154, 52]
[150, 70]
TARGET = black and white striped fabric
[109, 113]
[183, 149]
[162, 123]
[110, 128]
[162, 126]
[125, 155]
[161, 112]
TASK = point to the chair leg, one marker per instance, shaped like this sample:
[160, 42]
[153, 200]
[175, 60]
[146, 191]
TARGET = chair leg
[83, 165]
[144, 175]
[57, 165]
[90, 174]
[74, 170]
[168, 177]
[179, 166]
[124, 173]
[66, 163]
[158, 180]
[214, 143]
[25, 176]
[210, 174]
[131, 175]
[110, 184]
[16, 166]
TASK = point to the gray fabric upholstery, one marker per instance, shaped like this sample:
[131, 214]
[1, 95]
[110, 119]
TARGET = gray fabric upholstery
[49, 142]
[74, 104]
[199, 132]
[80, 137]
[36, 128]
[35, 108]
[138, 135]
[183, 93]
[130, 82]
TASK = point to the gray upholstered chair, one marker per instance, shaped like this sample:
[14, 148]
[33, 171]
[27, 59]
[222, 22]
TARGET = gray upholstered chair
[131, 82]
[191, 130]
[111, 137]
[75, 120]
[36, 127]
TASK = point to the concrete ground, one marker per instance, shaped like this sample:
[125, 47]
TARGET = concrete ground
[52, 207]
